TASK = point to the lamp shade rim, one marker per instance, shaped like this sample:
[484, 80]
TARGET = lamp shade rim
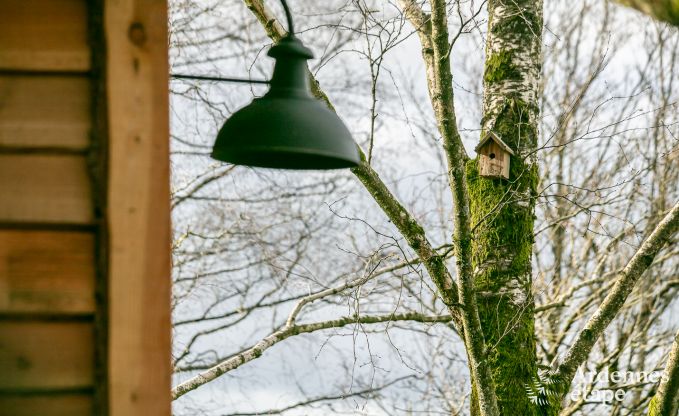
[286, 134]
[279, 157]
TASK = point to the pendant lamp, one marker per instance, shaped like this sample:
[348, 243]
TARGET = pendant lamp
[287, 128]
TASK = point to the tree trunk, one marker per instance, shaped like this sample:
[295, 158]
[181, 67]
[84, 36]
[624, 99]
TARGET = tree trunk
[503, 210]
[666, 400]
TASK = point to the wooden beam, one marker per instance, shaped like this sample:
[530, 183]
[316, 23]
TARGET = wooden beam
[138, 207]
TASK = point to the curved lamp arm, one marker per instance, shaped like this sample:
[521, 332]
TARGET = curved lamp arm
[288, 17]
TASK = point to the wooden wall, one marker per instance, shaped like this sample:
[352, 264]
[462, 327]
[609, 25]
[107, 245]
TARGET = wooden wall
[47, 221]
[84, 208]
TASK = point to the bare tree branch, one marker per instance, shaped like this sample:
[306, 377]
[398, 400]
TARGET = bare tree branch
[360, 393]
[288, 331]
[433, 33]
[614, 301]
[395, 211]
[442, 101]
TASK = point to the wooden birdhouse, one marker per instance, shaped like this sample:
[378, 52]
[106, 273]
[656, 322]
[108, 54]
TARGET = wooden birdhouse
[494, 156]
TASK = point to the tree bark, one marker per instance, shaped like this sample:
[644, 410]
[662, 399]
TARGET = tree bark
[666, 400]
[290, 329]
[432, 30]
[503, 210]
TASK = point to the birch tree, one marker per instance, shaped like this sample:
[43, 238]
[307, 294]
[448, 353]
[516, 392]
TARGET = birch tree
[529, 305]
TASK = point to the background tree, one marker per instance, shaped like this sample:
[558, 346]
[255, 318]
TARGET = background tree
[664, 10]
[431, 268]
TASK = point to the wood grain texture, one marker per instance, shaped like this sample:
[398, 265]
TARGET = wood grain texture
[37, 356]
[46, 272]
[138, 208]
[45, 111]
[46, 405]
[45, 189]
[44, 35]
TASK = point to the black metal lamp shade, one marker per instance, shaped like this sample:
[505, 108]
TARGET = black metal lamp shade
[287, 128]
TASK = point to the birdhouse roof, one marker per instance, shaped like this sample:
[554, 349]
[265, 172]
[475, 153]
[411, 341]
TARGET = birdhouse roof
[494, 137]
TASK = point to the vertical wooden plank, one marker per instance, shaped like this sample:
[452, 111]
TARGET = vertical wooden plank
[506, 160]
[138, 207]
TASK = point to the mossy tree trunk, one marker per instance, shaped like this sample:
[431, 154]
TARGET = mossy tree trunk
[502, 210]
[666, 400]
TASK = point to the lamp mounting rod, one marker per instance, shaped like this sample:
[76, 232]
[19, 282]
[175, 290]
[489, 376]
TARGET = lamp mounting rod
[291, 32]
[220, 79]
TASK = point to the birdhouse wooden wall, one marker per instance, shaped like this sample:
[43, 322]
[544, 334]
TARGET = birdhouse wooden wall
[494, 157]
[84, 208]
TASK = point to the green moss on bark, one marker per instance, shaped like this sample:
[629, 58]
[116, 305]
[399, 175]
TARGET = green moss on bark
[502, 248]
[499, 67]
[653, 407]
[502, 210]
